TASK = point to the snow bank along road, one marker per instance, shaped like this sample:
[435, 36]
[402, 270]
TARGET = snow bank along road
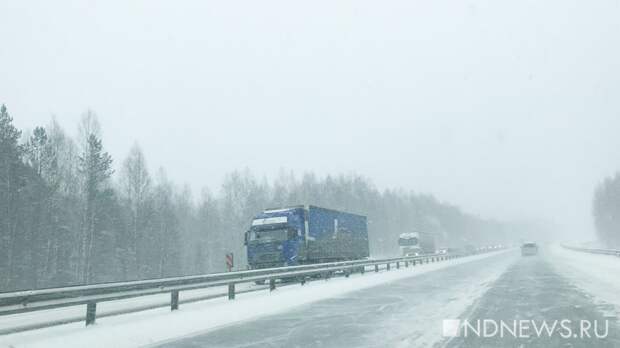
[157, 325]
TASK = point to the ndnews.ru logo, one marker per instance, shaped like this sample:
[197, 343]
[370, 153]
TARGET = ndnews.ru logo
[525, 328]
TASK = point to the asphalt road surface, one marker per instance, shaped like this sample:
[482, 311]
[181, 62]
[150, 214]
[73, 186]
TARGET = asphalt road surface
[532, 291]
[410, 312]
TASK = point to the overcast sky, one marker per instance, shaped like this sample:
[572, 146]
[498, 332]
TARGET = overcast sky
[509, 109]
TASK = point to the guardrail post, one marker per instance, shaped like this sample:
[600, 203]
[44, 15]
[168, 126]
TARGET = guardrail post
[397, 264]
[231, 291]
[174, 300]
[376, 268]
[272, 284]
[91, 312]
[413, 262]
[362, 270]
[406, 264]
[388, 266]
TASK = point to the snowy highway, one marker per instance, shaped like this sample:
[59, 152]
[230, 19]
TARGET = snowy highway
[321, 174]
[400, 308]
[532, 289]
[410, 312]
[406, 312]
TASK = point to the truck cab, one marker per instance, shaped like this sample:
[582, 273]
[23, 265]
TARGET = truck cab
[416, 243]
[275, 237]
[408, 244]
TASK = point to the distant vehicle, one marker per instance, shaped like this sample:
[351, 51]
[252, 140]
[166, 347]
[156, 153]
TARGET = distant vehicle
[304, 235]
[529, 248]
[453, 251]
[416, 243]
[470, 249]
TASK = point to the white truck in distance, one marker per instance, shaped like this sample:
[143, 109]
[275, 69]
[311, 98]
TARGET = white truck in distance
[416, 243]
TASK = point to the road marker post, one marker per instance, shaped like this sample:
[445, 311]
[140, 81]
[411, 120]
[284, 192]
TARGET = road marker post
[91, 312]
[230, 263]
[174, 300]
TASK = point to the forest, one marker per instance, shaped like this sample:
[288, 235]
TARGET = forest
[71, 214]
[606, 211]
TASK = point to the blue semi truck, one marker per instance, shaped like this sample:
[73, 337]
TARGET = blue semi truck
[305, 234]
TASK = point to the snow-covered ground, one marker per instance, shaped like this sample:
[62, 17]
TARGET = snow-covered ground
[597, 275]
[156, 325]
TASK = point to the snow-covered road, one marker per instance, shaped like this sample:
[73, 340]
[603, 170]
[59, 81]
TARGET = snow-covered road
[544, 290]
[157, 325]
[406, 312]
[400, 308]
[556, 285]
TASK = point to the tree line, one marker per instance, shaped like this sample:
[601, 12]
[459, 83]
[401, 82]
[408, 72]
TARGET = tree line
[67, 217]
[606, 211]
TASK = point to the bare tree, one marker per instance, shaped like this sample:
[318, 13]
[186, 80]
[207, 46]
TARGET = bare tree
[135, 188]
[95, 166]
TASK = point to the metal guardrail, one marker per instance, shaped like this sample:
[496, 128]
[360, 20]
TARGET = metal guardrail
[35, 300]
[614, 252]
[10, 326]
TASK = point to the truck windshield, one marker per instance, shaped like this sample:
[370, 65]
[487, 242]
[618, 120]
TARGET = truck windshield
[407, 241]
[270, 235]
